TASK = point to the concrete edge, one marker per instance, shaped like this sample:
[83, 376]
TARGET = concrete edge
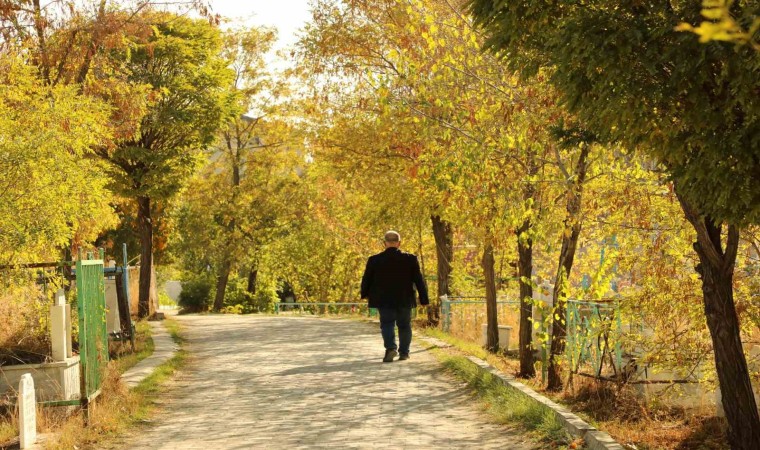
[594, 439]
[164, 349]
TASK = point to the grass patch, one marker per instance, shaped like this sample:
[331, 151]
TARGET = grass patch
[150, 388]
[468, 347]
[502, 361]
[8, 431]
[174, 329]
[143, 348]
[506, 405]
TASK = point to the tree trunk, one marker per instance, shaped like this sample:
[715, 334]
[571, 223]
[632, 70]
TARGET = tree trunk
[716, 268]
[444, 245]
[566, 257]
[221, 283]
[146, 255]
[489, 273]
[525, 272]
[252, 275]
[226, 264]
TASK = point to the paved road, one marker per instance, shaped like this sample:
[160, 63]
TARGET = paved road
[286, 383]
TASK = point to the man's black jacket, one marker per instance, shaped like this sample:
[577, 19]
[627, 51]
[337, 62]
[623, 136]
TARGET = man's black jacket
[389, 280]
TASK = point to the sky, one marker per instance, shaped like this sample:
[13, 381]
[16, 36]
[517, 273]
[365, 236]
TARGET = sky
[288, 16]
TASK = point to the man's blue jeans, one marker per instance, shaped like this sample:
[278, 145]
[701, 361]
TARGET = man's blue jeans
[400, 317]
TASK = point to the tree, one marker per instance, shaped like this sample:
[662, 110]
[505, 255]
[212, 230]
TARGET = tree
[240, 139]
[570, 235]
[51, 193]
[632, 78]
[189, 97]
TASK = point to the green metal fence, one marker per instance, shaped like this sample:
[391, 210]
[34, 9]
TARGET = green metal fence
[93, 335]
[594, 334]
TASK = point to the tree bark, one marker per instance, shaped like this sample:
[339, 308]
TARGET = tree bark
[125, 318]
[489, 273]
[716, 268]
[226, 264]
[525, 272]
[221, 283]
[146, 255]
[252, 275]
[444, 245]
[570, 237]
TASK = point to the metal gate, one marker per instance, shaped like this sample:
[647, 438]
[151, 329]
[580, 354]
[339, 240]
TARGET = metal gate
[93, 336]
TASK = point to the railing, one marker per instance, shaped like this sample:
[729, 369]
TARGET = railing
[337, 308]
[594, 334]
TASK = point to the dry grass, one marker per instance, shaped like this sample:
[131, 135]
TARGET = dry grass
[106, 414]
[8, 430]
[109, 414]
[619, 410]
[616, 409]
[23, 313]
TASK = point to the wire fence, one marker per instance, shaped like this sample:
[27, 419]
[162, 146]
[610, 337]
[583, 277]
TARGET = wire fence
[594, 330]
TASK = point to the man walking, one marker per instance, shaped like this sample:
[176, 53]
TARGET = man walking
[388, 283]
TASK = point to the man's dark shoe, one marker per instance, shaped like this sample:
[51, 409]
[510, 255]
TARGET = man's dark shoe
[389, 355]
[403, 357]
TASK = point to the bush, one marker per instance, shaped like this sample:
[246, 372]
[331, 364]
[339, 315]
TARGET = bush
[237, 309]
[266, 297]
[237, 297]
[196, 295]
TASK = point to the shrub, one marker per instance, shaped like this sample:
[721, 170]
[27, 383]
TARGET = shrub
[196, 295]
[237, 309]
[266, 297]
[237, 297]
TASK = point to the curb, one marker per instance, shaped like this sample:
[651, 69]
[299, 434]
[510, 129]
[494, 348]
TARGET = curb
[164, 349]
[595, 439]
